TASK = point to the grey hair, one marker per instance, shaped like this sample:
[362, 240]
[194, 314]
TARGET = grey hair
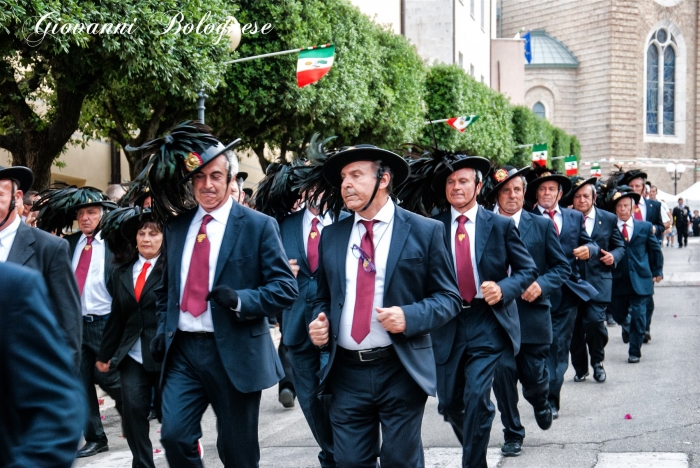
[387, 170]
[231, 162]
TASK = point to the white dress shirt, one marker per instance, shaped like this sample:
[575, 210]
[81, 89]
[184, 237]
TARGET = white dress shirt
[135, 351]
[558, 220]
[323, 221]
[215, 234]
[470, 226]
[7, 237]
[378, 336]
[590, 221]
[642, 207]
[95, 299]
[665, 218]
[630, 227]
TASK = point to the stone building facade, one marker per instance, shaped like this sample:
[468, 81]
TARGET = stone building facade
[629, 98]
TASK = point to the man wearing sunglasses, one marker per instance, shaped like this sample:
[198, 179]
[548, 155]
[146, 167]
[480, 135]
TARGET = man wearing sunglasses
[384, 283]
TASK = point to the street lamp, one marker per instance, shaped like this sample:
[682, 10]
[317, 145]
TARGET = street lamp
[675, 171]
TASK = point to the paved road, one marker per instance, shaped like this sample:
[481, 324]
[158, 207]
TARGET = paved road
[661, 394]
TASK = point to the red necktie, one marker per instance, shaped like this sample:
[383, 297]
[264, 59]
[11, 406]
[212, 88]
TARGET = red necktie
[625, 234]
[465, 270]
[141, 281]
[364, 292]
[197, 285]
[551, 215]
[638, 213]
[312, 246]
[84, 265]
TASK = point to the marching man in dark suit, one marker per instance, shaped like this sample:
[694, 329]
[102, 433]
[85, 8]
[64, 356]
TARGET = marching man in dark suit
[384, 283]
[636, 273]
[533, 309]
[41, 409]
[41, 251]
[132, 325]
[645, 210]
[225, 273]
[484, 246]
[546, 188]
[590, 334]
[681, 218]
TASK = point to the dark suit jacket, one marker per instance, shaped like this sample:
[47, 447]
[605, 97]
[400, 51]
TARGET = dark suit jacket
[419, 279]
[130, 319]
[498, 239]
[50, 256]
[296, 319]
[642, 262]
[110, 266]
[42, 404]
[253, 263]
[573, 235]
[654, 216]
[681, 218]
[607, 236]
[552, 267]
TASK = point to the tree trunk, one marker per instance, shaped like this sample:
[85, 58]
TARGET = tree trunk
[260, 153]
[39, 159]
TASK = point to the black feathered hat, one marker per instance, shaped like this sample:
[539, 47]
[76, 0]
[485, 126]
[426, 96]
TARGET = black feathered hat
[350, 154]
[540, 174]
[23, 175]
[577, 183]
[500, 177]
[57, 207]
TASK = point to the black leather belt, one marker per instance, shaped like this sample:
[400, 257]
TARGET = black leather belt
[199, 334]
[366, 355]
[95, 318]
[473, 303]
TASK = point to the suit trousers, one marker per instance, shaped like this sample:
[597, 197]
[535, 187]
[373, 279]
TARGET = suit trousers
[682, 235]
[283, 353]
[650, 312]
[306, 361]
[629, 310]
[480, 343]
[589, 337]
[367, 397]
[136, 393]
[194, 378]
[108, 381]
[528, 367]
[563, 319]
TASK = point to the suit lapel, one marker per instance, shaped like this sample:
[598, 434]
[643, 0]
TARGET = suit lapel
[341, 248]
[446, 219]
[564, 221]
[299, 238]
[179, 234]
[231, 236]
[525, 223]
[483, 229]
[398, 239]
[21, 252]
[153, 277]
[127, 279]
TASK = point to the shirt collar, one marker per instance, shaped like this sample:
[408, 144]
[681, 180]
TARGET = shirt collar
[591, 214]
[470, 214]
[384, 215]
[515, 217]
[142, 260]
[324, 220]
[96, 238]
[11, 229]
[642, 201]
[220, 214]
[621, 222]
[556, 208]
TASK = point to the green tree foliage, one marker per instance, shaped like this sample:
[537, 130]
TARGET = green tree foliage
[372, 93]
[44, 81]
[450, 92]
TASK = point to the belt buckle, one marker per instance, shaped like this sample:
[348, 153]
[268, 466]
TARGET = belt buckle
[362, 359]
[88, 318]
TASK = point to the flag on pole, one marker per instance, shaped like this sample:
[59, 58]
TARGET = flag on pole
[314, 63]
[539, 154]
[528, 47]
[462, 122]
[571, 165]
[595, 170]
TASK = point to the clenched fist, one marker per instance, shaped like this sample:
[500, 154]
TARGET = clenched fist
[318, 330]
[491, 291]
[532, 293]
[392, 319]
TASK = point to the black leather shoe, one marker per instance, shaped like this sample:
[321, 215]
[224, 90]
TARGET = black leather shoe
[598, 372]
[580, 378]
[625, 337]
[647, 337]
[92, 448]
[152, 415]
[544, 417]
[512, 448]
[633, 359]
[287, 398]
[555, 412]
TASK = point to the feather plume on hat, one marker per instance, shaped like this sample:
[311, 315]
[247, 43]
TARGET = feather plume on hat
[57, 207]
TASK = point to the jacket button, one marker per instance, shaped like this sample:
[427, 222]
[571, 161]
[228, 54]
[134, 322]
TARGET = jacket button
[308, 300]
[340, 305]
[170, 334]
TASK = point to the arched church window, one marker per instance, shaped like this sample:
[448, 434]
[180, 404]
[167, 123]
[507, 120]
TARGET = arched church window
[660, 83]
[538, 109]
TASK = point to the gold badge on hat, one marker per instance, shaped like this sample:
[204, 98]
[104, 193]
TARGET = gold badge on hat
[617, 195]
[193, 161]
[201, 237]
[461, 237]
[500, 175]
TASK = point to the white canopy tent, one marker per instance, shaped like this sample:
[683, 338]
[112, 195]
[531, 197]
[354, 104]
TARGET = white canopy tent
[690, 196]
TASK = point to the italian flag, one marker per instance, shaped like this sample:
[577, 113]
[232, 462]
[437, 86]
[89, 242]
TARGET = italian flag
[314, 63]
[571, 165]
[461, 123]
[595, 170]
[539, 155]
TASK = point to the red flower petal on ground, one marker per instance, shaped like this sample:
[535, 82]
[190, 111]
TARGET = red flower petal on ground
[101, 401]
[628, 416]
